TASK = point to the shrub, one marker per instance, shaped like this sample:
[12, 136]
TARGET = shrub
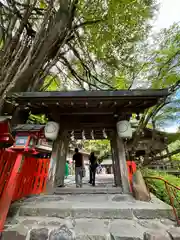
[157, 187]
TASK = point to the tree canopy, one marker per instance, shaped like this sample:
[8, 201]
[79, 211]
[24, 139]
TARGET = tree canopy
[88, 44]
[77, 44]
[158, 67]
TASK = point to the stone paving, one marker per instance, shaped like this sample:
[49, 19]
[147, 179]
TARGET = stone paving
[102, 181]
[105, 216]
[39, 228]
[104, 184]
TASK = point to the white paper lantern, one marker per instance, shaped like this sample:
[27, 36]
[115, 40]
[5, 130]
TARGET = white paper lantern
[51, 130]
[124, 129]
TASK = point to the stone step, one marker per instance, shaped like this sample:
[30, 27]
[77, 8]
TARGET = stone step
[40, 228]
[94, 206]
[88, 190]
[80, 198]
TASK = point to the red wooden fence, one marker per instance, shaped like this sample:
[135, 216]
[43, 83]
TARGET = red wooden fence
[32, 177]
[20, 176]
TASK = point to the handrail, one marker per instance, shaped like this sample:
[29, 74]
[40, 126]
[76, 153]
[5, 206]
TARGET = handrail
[167, 186]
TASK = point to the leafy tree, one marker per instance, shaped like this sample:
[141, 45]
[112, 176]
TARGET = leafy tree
[169, 114]
[100, 147]
[159, 67]
[51, 83]
[174, 146]
[85, 43]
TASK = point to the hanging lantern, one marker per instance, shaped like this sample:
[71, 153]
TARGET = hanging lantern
[124, 129]
[51, 130]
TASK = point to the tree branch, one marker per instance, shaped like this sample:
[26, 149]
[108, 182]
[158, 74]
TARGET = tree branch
[89, 22]
[73, 72]
[87, 70]
[168, 154]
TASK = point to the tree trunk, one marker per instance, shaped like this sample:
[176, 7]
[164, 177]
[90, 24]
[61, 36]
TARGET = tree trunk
[26, 68]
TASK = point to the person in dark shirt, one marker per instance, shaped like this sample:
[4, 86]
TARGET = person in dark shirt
[79, 164]
[93, 166]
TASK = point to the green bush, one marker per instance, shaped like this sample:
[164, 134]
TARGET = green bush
[157, 187]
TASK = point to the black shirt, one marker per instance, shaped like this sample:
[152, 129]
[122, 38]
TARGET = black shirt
[93, 160]
[78, 158]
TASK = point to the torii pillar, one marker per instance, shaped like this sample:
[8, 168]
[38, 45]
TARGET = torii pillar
[56, 173]
[120, 165]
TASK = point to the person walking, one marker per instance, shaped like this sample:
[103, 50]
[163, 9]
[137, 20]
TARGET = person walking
[79, 165]
[93, 166]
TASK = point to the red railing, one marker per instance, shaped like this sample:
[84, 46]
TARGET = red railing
[172, 193]
[20, 176]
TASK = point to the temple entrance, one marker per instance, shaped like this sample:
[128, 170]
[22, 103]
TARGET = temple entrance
[78, 115]
[102, 151]
[88, 113]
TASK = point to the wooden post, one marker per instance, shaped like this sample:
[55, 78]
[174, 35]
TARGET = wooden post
[123, 165]
[113, 163]
[61, 163]
[115, 159]
[52, 167]
[56, 171]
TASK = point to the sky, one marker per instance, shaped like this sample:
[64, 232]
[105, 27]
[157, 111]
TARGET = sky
[169, 13]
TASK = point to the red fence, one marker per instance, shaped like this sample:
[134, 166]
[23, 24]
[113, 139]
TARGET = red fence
[7, 161]
[20, 176]
[32, 177]
[172, 191]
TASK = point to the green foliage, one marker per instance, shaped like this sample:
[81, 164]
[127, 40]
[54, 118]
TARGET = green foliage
[42, 4]
[173, 146]
[159, 64]
[51, 83]
[90, 46]
[164, 60]
[120, 82]
[100, 147]
[157, 187]
[93, 45]
[37, 119]
[170, 112]
[107, 47]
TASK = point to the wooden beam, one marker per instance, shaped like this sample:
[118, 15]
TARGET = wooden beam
[153, 93]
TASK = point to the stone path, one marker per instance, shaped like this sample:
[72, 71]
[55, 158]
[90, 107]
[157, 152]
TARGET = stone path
[104, 184]
[39, 228]
[84, 216]
[102, 180]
